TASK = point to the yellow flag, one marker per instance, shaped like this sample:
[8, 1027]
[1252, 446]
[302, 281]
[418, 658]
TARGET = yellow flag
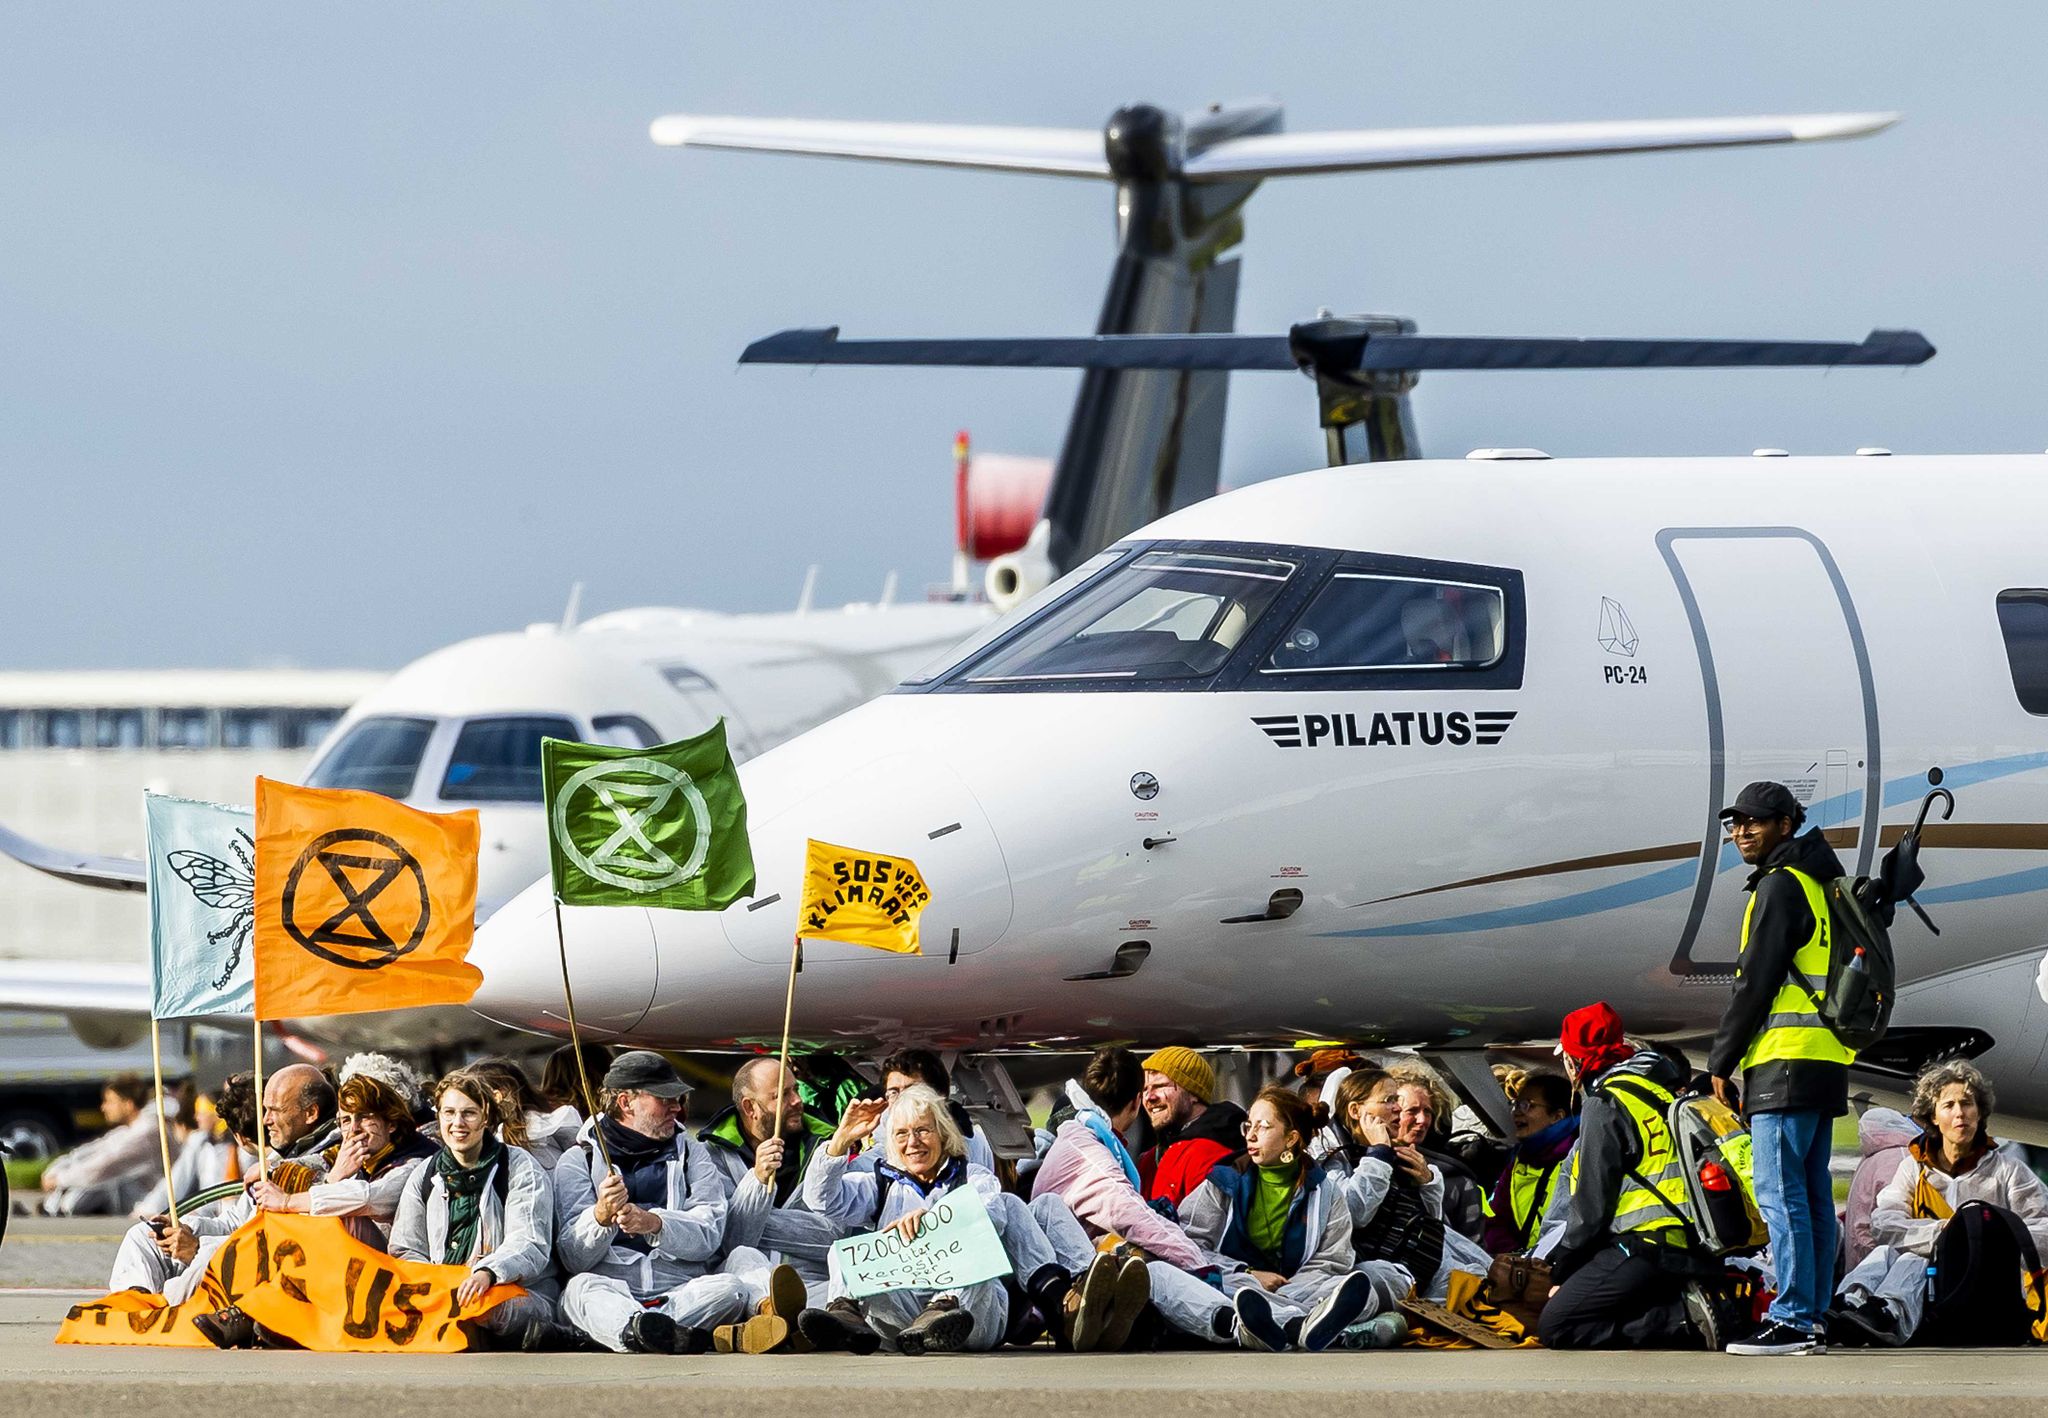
[861, 898]
[362, 903]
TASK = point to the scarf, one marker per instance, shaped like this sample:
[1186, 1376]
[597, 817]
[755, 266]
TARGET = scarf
[629, 1150]
[394, 1152]
[1096, 1121]
[1538, 1147]
[465, 1186]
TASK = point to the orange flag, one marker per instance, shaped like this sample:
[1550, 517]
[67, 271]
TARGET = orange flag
[362, 903]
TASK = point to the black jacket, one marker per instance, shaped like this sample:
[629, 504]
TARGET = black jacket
[1609, 1146]
[1779, 925]
[1464, 1198]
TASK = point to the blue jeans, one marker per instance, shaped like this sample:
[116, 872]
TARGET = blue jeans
[1797, 1196]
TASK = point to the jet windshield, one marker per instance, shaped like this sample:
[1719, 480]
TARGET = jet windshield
[1162, 615]
[380, 755]
[498, 760]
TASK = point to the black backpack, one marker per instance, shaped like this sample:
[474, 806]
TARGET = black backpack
[1855, 1001]
[1986, 1290]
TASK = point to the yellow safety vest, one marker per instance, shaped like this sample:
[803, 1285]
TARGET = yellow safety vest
[1530, 1189]
[1793, 1029]
[1656, 1201]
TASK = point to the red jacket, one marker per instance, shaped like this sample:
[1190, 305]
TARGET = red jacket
[1189, 1155]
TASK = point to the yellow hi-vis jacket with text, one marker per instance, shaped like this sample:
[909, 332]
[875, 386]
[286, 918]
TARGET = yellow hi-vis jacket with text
[1653, 1198]
[1793, 1029]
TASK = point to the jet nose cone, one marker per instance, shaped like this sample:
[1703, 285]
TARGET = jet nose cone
[611, 962]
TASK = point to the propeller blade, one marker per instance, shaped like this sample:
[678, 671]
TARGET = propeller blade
[824, 346]
[1440, 352]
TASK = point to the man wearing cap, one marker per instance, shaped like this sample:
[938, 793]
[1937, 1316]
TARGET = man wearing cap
[1795, 1072]
[637, 1237]
[1192, 1133]
[1617, 1265]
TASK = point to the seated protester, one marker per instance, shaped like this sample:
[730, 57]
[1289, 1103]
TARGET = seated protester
[636, 1240]
[908, 1067]
[108, 1175]
[1617, 1271]
[1425, 1101]
[1882, 1137]
[1545, 1131]
[923, 1158]
[298, 1116]
[1279, 1225]
[767, 1221]
[1954, 1161]
[547, 1132]
[1191, 1132]
[1395, 1197]
[562, 1083]
[485, 1204]
[366, 1172]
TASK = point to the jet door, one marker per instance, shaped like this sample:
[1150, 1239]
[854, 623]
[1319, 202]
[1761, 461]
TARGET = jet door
[1788, 697]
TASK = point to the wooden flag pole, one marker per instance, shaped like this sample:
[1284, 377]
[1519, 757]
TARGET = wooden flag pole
[576, 1041]
[262, 1133]
[163, 1122]
[796, 962]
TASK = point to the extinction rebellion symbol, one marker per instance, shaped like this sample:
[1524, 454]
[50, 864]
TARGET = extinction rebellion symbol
[364, 907]
[631, 795]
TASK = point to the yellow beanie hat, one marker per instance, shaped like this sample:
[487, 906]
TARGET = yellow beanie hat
[1187, 1068]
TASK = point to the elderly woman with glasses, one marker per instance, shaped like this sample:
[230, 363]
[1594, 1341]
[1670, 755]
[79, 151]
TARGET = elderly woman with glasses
[924, 1158]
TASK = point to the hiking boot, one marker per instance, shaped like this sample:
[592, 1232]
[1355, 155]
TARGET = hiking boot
[839, 1326]
[759, 1335]
[1704, 1315]
[651, 1332]
[943, 1328]
[1864, 1321]
[1088, 1305]
[1128, 1301]
[1334, 1313]
[1256, 1328]
[544, 1336]
[1777, 1338]
[227, 1329]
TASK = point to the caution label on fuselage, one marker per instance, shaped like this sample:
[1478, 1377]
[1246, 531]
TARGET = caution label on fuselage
[1405, 728]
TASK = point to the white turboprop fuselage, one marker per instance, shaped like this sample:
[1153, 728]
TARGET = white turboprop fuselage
[1479, 848]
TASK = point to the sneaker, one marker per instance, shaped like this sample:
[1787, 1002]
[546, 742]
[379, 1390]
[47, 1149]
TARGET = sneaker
[759, 1335]
[227, 1329]
[1088, 1305]
[1385, 1331]
[1335, 1312]
[1864, 1321]
[1706, 1320]
[651, 1332]
[839, 1326]
[943, 1328]
[1779, 1338]
[1132, 1294]
[1256, 1327]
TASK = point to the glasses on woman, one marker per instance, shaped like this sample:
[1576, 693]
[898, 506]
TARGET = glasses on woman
[906, 1134]
[1257, 1126]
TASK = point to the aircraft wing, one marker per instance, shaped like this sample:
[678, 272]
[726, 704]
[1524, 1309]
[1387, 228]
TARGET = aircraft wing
[1063, 152]
[85, 868]
[61, 987]
[1296, 154]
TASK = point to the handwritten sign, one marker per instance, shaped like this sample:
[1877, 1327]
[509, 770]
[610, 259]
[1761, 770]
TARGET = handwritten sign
[308, 1279]
[956, 1245]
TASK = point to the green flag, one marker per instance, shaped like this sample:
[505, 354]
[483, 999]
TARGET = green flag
[661, 826]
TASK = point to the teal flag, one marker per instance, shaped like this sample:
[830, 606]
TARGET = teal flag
[202, 907]
[662, 826]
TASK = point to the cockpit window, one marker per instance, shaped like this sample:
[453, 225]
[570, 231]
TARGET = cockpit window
[376, 755]
[1163, 615]
[1360, 621]
[955, 655]
[498, 760]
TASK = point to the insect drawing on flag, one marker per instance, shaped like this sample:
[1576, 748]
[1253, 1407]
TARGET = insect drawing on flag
[225, 886]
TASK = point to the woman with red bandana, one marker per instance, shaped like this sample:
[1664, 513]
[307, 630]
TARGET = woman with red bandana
[1620, 1264]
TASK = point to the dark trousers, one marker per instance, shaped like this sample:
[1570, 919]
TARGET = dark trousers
[1617, 1301]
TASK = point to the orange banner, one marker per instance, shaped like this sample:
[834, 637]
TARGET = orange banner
[307, 1278]
[362, 903]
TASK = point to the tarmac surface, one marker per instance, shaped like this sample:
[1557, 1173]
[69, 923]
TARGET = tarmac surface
[48, 1265]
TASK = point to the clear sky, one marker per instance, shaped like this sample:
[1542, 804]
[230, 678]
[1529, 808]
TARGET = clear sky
[331, 334]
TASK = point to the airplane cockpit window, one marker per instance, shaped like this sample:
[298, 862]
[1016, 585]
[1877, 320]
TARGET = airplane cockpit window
[623, 731]
[1161, 615]
[2023, 621]
[1369, 622]
[378, 756]
[996, 629]
[498, 760]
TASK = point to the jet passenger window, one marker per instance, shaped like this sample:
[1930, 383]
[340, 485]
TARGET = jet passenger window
[375, 755]
[1369, 622]
[2023, 620]
[498, 760]
[1162, 615]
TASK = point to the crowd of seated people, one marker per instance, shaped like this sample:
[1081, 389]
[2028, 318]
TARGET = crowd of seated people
[1155, 1213]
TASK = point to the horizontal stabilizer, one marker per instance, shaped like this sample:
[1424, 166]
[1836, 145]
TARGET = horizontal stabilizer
[1298, 154]
[75, 987]
[1335, 346]
[85, 868]
[1064, 152]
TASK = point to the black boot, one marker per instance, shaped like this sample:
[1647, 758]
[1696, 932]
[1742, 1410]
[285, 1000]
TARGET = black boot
[544, 1336]
[1046, 1294]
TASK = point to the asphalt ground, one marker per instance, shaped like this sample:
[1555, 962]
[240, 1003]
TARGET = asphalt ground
[48, 1265]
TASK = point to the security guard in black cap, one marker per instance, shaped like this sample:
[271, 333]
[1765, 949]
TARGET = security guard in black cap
[1795, 1073]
